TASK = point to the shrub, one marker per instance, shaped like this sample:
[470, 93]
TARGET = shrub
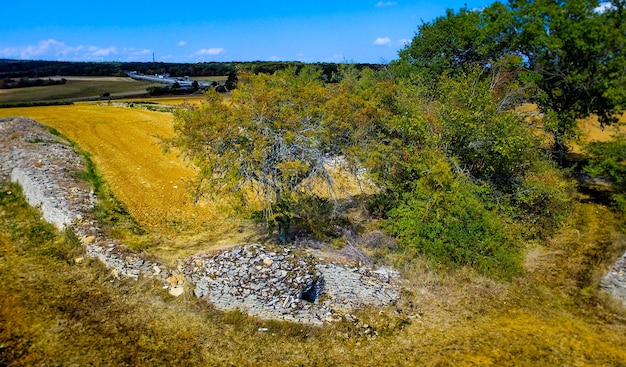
[444, 218]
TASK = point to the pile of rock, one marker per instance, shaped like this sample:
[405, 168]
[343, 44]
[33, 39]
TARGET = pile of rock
[286, 283]
[276, 283]
[42, 164]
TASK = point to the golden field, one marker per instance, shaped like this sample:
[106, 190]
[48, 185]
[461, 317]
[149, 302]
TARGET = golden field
[175, 101]
[592, 131]
[125, 146]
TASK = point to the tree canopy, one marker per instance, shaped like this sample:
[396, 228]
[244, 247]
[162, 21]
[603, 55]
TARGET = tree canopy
[461, 175]
[275, 134]
[570, 55]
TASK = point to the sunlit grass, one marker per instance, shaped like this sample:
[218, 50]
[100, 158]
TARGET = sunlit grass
[592, 131]
[58, 311]
[125, 144]
[194, 99]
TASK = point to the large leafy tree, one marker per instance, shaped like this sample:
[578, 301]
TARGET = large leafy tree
[575, 55]
[568, 55]
[454, 43]
[463, 173]
[272, 137]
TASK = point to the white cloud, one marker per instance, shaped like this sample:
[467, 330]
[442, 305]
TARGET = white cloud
[210, 51]
[382, 41]
[134, 54]
[47, 47]
[382, 4]
[403, 41]
[181, 43]
[53, 49]
[103, 52]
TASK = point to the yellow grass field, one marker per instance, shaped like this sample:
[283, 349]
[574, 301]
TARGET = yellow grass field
[589, 129]
[126, 148]
[592, 131]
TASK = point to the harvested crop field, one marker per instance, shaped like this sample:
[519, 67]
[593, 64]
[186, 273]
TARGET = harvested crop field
[76, 88]
[175, 101]
[125, 146]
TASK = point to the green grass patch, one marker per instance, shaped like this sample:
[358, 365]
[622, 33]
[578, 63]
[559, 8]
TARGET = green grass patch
[74, 90]
[36, 104]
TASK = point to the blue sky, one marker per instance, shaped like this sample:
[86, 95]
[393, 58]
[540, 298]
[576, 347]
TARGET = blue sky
[367, 31]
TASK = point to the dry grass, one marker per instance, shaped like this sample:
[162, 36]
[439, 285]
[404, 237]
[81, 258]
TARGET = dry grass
[590, 128]
[194, 99]
[54, 311]
[153, 186]
[591, 131]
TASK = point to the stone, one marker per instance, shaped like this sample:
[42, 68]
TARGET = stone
[177, 290]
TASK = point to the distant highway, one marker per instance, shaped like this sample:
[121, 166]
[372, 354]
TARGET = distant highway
[167, 80]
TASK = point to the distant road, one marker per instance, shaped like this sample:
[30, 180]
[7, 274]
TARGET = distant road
[167, 80]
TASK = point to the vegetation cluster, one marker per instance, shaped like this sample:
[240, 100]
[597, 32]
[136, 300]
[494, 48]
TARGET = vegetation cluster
[8, 83]
[501, 251]
[464, 178]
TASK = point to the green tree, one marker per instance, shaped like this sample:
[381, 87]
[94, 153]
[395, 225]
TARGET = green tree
[461, 176]
[608, 160]
[444, 218]
[574, 55]
[491, 144]
[566, 55]
[453, 43]
[273, 137]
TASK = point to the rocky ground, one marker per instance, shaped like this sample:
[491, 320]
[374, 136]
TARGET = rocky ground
[285, 283]
[614, 282]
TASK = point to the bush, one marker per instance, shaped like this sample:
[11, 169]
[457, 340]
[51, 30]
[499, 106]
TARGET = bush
[445, 219]
[608, 160]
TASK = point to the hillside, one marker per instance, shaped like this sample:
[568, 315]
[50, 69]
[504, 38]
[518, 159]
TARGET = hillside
[551, 314]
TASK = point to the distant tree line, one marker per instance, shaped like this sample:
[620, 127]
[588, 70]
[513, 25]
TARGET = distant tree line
[8, 83]
[42, 68]
[36, 104]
